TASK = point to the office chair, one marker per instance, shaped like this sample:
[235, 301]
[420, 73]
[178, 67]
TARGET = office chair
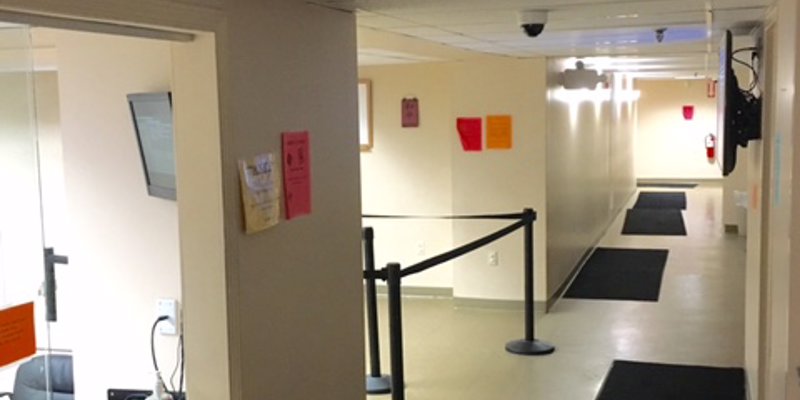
[30, 382]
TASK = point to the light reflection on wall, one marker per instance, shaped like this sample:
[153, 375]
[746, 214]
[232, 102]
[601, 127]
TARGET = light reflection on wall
[573, 98]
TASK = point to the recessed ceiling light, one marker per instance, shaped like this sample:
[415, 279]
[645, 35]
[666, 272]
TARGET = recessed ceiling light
[622, 16]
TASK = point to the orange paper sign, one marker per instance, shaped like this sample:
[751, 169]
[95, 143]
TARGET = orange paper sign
[17, 334]
[498, 132]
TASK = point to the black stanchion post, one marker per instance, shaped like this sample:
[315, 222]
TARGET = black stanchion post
[376, 382]
[529, 345]
[396, 331]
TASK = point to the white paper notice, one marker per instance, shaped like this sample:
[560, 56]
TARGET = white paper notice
[260, 194]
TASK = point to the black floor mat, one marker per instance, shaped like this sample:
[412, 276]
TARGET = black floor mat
[620, 274]
[643, 221]
[667, 185]
[630, 380]
[660, 200]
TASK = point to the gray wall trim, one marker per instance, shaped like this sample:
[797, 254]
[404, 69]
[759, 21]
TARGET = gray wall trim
[420, 291]
[700, 181]
[496, 304]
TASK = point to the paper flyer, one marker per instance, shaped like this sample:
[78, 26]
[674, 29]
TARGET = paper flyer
[260, 193]
[498, 132]
[410, 111]
[17, 334]
[470, 132]
[297, 173]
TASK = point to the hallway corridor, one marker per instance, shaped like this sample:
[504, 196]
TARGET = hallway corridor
[457, 353]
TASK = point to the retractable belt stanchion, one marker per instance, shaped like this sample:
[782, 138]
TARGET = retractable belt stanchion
[393, 275]
[376, 382]
[529, 345]
[396, 331]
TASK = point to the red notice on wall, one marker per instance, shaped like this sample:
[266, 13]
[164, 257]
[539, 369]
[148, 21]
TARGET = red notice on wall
[470, 130]
[17, 334]
[297, 173]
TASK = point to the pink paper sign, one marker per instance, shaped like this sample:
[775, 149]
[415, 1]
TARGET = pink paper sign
[410, 109]
[297, 173]
[470, 130]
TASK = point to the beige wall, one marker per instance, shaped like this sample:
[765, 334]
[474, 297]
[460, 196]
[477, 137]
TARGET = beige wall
[425, 170]
[426, 162]
[773, 285]
[784, 346]
[758, 182]
[285, 286]
[500, 180]
[666, 145]
[296, 288]
[198, 164]
[408, 171]
[589, 170]
[732, 214]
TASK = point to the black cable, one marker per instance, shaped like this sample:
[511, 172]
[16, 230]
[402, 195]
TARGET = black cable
[153, 340]
[183, 361]
[744, 49]
[755, 74]
[756, 78]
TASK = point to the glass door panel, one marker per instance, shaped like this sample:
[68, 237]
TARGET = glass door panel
[22, 270]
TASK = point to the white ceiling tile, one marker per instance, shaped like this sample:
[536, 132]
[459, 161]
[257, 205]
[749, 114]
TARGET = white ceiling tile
[575, 27]
[383, 22]
[451, 39]
[421, 31]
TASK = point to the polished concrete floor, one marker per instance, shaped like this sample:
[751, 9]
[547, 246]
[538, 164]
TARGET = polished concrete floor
[458, 353]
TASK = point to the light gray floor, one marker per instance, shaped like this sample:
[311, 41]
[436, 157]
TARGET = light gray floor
[458, 354]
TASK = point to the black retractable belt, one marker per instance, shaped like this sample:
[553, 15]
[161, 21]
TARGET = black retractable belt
[393, 274]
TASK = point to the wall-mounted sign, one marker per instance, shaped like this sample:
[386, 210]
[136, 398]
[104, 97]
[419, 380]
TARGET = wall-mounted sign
[297, 173]
[711, 88]
[17, 334]
[470, 131]
[498, 132]
[260, 193]
[410, 111]
[688, 112]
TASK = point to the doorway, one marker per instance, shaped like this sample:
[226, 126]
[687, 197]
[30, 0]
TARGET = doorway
[81, 181]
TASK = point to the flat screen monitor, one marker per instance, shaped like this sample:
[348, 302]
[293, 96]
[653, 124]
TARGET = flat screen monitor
[726, 142]
[152, 120]
[738, 111]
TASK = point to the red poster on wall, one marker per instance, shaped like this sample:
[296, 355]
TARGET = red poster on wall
[297, 173]
[470, 131]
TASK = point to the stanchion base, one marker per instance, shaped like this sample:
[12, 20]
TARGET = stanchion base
[379, 384]
[529, 347]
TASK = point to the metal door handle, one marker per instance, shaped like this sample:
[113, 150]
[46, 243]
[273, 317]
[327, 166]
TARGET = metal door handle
[50, 261]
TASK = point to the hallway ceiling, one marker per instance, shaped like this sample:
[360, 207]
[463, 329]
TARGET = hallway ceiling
[574, 28]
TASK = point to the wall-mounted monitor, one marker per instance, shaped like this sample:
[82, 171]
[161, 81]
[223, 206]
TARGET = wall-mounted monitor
[738, 110]
[152, 120]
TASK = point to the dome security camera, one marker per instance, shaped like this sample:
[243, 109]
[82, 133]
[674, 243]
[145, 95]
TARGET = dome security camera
[660, 34]
[532, 22]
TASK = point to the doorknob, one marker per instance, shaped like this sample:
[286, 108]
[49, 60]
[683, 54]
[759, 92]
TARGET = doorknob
[50, 260]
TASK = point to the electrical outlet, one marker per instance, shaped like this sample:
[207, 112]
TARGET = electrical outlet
[168, 307]
[421, 248]
[494, 258]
